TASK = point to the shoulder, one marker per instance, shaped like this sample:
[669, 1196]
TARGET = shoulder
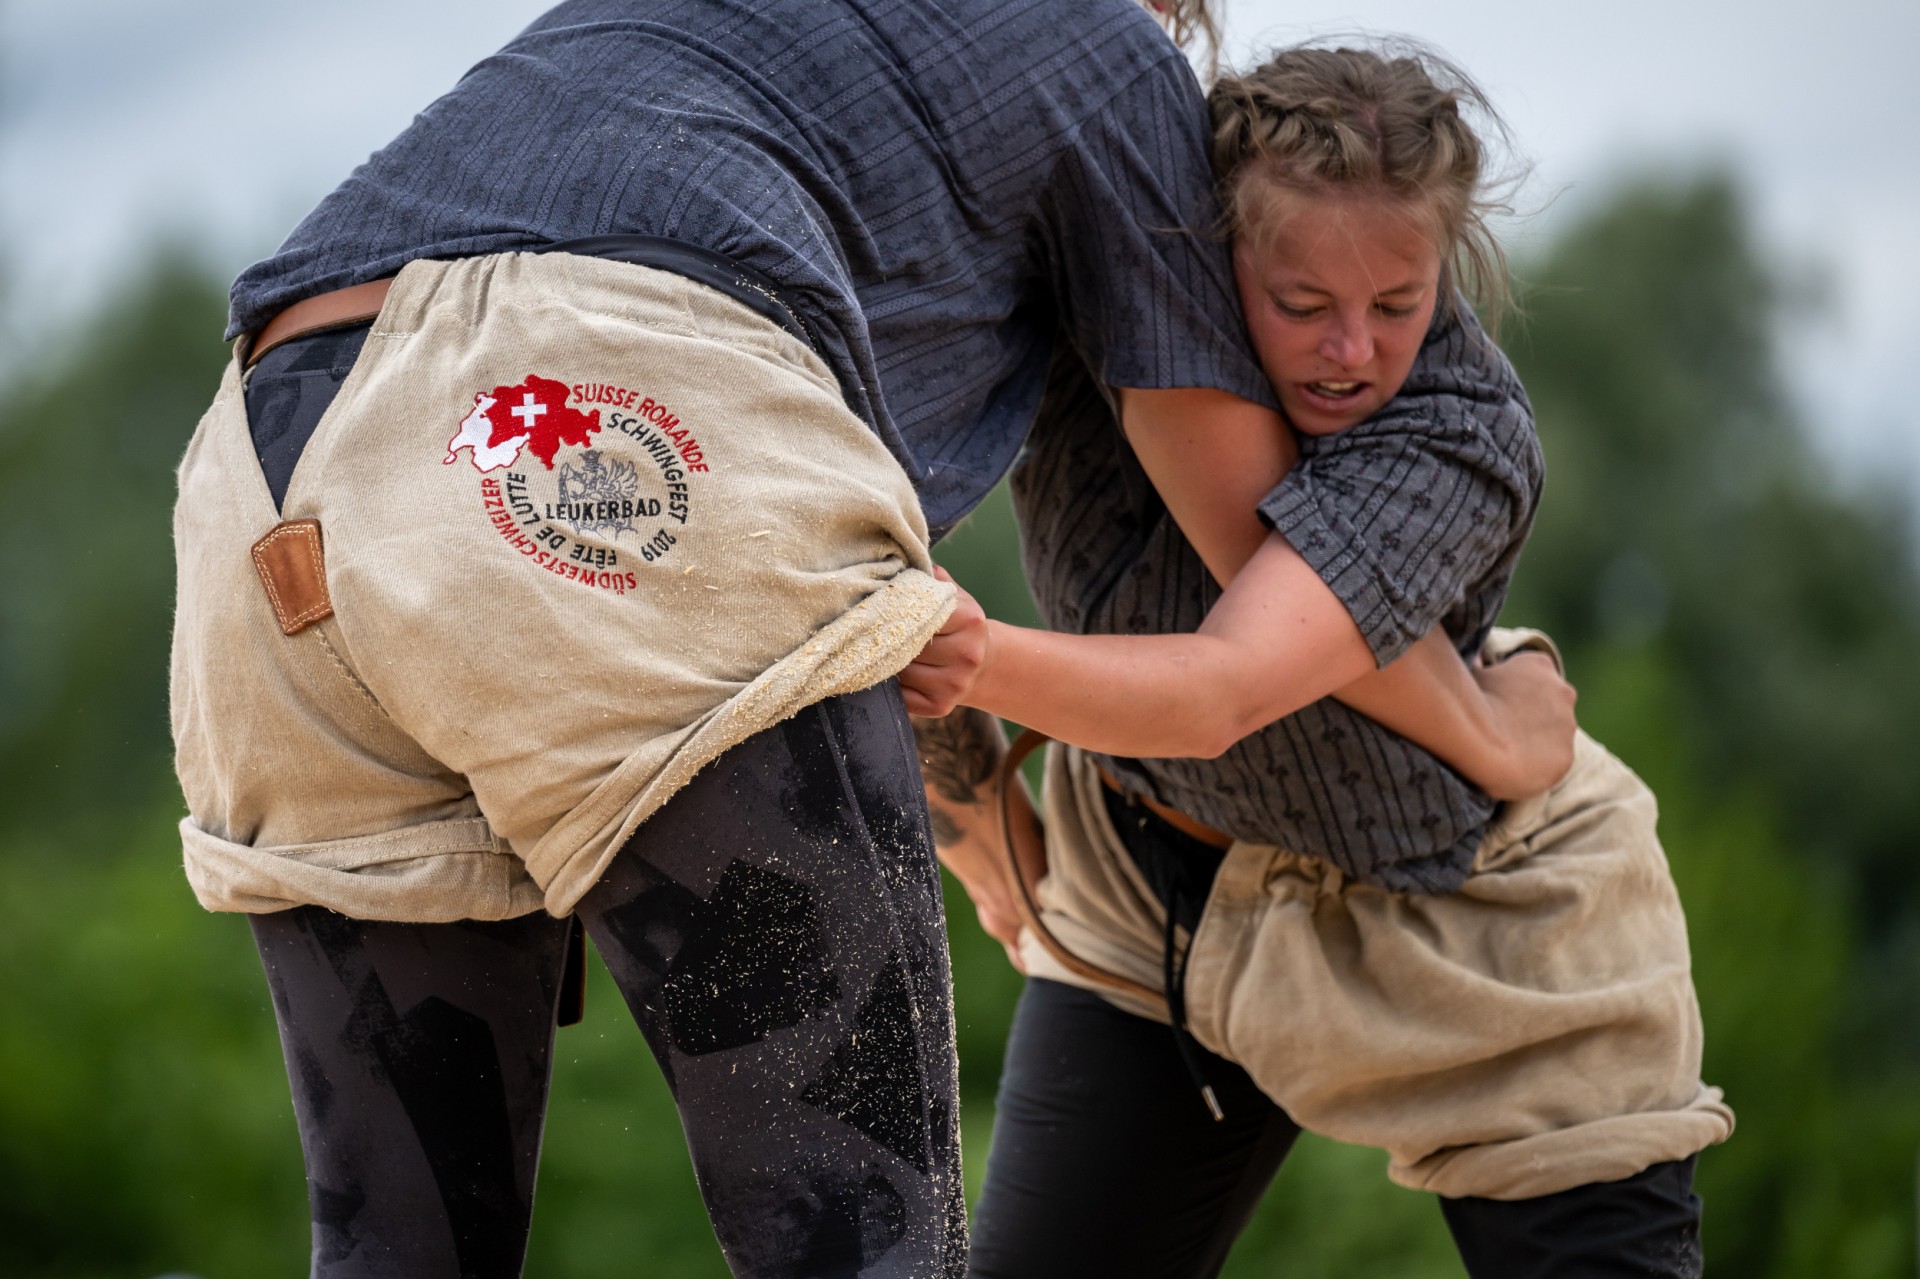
[1093, 60]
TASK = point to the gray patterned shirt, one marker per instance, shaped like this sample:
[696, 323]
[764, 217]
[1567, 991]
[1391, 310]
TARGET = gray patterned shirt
[1414, 517]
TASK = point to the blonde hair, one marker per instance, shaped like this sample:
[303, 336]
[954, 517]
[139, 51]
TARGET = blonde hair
[1189, 22]
[1315, 120]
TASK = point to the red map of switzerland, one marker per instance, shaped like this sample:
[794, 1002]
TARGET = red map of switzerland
[537, 408]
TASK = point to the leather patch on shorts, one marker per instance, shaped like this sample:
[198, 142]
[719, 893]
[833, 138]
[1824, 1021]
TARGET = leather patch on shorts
[294, 572]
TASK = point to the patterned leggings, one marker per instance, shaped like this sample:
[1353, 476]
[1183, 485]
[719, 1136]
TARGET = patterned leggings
[776, 931]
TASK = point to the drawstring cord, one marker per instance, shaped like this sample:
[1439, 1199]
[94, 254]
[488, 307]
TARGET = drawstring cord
[1174, 966]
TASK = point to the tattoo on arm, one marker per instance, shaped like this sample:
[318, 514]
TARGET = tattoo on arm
[946, 831]
[958, 754]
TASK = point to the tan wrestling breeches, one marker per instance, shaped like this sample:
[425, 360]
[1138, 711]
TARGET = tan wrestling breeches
[1533, 1031]
[584, 525]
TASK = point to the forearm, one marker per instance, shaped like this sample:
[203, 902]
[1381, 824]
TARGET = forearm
[1147, 695]
[1429, 697]
[960, 757]
[1277, 640]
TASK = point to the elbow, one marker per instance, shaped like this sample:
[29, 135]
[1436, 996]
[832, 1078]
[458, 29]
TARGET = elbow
[1217, 738]
[1237, 720]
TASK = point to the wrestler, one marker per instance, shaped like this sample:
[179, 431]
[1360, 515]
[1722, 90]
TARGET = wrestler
[1362, 943]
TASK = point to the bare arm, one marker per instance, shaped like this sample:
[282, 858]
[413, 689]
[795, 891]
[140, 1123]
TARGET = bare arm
[1267, 648]
[1213, 456]
[960, 760]
[1506, 728]
[1195, 695]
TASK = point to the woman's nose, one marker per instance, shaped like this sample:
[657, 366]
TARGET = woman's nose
[1347, 343]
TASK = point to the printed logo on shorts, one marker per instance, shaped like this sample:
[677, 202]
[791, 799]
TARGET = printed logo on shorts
[600, 491]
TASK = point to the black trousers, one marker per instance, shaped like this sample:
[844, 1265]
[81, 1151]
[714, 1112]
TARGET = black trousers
[776, 930]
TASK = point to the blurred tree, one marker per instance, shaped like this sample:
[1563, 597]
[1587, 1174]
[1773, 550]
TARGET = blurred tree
[143, 1122]
[89, 438]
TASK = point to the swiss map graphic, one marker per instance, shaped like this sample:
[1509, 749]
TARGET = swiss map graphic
[531, 414]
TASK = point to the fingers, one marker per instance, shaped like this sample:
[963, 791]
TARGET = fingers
[1530, 659]
[1548, 672]
[1531, 668]
[1006, 931]
[966, 614]
[922, 704]
[940, 676]
[930, 692]
[1535, 704]
[938, 680]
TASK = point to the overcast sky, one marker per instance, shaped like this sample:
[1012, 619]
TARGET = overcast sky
[221, 122]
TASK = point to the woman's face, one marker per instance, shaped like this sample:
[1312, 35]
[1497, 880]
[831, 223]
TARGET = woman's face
[1338, 292]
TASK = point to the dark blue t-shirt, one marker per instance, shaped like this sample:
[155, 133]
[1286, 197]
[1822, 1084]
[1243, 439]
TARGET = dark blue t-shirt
[943, 189]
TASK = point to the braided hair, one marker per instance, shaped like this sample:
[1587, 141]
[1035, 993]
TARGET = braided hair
[1315, 121]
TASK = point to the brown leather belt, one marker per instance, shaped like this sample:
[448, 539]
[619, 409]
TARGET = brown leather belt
[1171, 816]
[326, 311]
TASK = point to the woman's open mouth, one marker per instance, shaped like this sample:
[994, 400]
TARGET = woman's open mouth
[1332, 397]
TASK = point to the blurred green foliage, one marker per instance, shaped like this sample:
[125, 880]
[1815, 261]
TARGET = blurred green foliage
[1742, 630]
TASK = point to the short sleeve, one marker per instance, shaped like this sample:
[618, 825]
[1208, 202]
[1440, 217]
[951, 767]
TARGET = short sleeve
[1410, 512]
[1142, 271]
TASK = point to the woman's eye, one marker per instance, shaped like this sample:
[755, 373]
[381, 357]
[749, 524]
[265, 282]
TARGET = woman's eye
[1295, 312]
[1395, 312]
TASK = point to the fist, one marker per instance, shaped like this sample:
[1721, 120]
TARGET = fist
[940, 678]
[1535, 705]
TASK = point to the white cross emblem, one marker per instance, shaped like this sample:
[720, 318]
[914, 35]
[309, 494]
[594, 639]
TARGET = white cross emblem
[529, 409]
